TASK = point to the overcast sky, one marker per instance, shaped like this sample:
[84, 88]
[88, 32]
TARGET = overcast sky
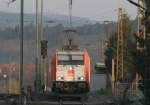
[93, 9]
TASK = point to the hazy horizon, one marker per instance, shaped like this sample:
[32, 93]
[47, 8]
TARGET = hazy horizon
[90, 9]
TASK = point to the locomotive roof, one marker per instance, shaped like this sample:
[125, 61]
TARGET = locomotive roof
[71, 52]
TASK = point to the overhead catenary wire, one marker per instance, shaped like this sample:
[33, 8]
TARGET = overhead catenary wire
[136, 4]
[70, 12]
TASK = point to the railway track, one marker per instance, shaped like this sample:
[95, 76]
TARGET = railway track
[65, 103]
[57, 101]
[50, 100]
[53, 102]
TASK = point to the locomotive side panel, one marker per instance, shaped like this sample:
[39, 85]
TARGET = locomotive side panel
[53, 68]
[87, 67]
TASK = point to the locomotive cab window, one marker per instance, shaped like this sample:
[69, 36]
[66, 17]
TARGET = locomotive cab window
[70, 60]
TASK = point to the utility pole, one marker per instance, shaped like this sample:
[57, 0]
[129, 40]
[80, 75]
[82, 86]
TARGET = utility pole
[21, 49]
[39, 34]
[120, 68]
[41, 21]
[70, 13]
[140, 30]
[40, 39]
[144, 5]
[146, 9]
[37, 78]
[43, 57]
[147, 53]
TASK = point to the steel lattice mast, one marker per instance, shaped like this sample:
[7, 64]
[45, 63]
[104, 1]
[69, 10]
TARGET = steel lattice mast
[141, 25]
[144, 32]
[120, 68]
[147, 53]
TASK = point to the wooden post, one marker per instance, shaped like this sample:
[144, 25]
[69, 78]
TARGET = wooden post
[113, 75]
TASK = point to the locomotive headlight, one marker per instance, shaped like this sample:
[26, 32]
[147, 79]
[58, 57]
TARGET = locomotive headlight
[70, 68]
[60, 78]
[81, 78]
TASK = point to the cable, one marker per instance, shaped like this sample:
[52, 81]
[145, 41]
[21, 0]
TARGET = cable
[136, 4]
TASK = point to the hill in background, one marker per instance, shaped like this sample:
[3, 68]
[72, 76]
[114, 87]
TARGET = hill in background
[12, 19]
[89, 35]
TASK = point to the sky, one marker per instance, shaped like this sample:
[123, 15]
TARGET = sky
[100, 10]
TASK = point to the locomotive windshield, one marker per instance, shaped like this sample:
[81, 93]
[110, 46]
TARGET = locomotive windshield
[70, 59]
[72, 62]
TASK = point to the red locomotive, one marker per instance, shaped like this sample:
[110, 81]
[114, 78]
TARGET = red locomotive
[70, 71]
